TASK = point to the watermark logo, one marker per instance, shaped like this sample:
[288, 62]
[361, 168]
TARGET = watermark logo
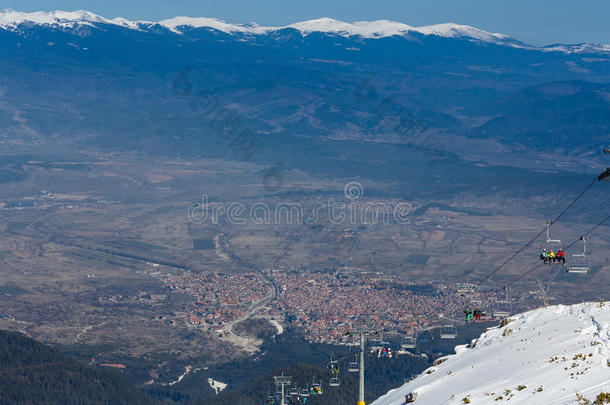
[407, 127]
[222, 121]
[353, 212]
[353, 190]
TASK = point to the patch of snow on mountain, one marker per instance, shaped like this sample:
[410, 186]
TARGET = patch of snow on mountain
[67, 19]
[217, 386]
[579, 48]
[545, 356]
[175, 23]
[366, 29]
[455, 30]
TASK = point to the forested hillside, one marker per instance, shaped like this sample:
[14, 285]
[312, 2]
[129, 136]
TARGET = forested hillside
[33, 373]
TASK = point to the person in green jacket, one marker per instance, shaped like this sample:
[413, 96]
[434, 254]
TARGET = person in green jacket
[544, 255]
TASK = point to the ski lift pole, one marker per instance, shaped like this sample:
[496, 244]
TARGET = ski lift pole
[361, 383]
[283, 381]
[363, 333]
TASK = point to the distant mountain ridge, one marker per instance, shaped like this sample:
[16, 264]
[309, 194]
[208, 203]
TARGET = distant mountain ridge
[64, 73]
[367, 29]
[12, 20]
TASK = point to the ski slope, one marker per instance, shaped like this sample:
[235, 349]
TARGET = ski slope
[545, 356]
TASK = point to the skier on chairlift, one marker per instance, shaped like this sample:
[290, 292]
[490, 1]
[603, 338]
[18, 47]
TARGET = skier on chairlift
[561, 256]
[544, 255]
[469, 314]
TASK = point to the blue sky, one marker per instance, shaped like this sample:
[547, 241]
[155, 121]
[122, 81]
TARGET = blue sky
[534, 21]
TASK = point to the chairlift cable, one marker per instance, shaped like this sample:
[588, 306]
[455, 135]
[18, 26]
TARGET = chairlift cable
[567, 247]
[538, 234]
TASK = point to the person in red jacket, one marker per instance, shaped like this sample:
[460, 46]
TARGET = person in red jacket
[561, 256]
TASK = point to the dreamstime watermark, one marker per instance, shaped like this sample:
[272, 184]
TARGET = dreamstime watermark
[222, 121]
[334, 212]
[408, 128]
[353, 190]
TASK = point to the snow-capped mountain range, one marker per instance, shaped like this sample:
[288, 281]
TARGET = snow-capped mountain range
[11, 20]
[320, 79]
[546, 356]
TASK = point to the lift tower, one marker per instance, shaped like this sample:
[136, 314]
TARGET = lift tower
[283, 381]
[362, 333]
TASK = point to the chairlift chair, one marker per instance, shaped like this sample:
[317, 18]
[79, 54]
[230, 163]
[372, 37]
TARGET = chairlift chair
[548, 237]
[506, 299]
[334, 367]
[408, 342]
[316, 388]
[376, 343]
[425, 337]
[294, 391]
[502, 311]
[334, 382]
[503, 308]
[385, 348]
[384, 351]
[580, 261]
[448, 332]
[353, 367]
[304, 392]
[383, 343]
[577, 269]
[465, 289]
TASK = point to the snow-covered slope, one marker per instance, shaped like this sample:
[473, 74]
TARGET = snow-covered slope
[386, 28]
[177, 23]
[10, 19]
[545, 356]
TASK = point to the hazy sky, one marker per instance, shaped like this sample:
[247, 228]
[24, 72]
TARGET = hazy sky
[534, 21]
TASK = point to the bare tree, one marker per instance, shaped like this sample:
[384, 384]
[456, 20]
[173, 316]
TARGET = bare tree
[544, 292]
